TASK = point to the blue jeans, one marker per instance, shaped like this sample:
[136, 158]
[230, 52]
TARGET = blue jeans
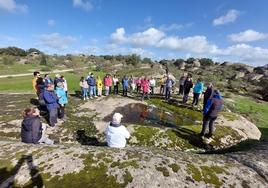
[92, 91]
[84, 92]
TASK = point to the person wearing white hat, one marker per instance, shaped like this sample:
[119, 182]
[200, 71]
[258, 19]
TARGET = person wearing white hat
[116, 134]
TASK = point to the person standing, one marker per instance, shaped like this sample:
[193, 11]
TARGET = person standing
[36, 75]
[110, 83]
[62, 99]
[32, 130]
[125, 85]
[213, 107]
[116, 134]
[57, 79]
[47, 80]
[116, 84]
[51, 104]
[106, 84]
[168, 86]
[152, 83]
[65, 85]
[91, 81]
[84, 88]
[138, 84]
[145, 88]
[99, 86]
[162, 86]
[188, 84]
[197, 90]
[181, 82]
[208, 94]
[132, 84]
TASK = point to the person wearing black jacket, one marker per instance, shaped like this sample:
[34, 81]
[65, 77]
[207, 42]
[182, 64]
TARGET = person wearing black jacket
[32, 130]
[188, 84]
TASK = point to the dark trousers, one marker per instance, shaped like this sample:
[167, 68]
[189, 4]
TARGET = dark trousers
[208, 121]
[115, 89]
[61, 112]
[145, 94]
[196, 98]
[124, 91]
[138, 89]
[53, 115]
[167, 93]
[181, 90]
[152, 89]
[185, 97]
[110, 89]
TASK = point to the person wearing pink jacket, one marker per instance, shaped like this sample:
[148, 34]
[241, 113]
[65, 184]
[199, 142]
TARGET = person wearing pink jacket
[110, 83]
[106, 82]
[145, 88]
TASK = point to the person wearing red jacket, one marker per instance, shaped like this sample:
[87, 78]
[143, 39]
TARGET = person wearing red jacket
[145, 88]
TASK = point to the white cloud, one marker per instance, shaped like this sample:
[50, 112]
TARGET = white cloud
[84, 4]
[194, 45]
[230, 17]
[56, 41]
[246, 53]
[248, 36]
[174, 27]
[12, 6]
[149, 37]
[51, 23]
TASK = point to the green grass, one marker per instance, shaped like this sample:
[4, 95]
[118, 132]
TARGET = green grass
[254, 111]
[24, 83]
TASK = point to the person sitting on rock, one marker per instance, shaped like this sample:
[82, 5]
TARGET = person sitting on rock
[213, 107]
[116, 134]
[32, 130]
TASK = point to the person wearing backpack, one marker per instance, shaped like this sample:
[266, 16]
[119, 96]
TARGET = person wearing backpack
[213, 107]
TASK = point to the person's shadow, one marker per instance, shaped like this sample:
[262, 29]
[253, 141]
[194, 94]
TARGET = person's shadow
[83, 139]
[8, 176]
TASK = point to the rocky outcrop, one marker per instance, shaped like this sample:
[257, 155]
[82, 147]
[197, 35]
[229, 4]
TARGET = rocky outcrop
[80, 166]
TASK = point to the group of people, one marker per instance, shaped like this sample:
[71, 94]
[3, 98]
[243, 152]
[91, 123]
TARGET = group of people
[53, 95]
[52, 98]
[93, 87]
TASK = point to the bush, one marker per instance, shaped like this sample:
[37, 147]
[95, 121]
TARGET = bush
[8, 60]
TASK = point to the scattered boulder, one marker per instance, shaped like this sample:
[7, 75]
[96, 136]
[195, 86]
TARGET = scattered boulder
[239, 75]
[196, 63]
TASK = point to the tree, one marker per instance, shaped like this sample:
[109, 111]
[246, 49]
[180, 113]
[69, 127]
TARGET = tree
[178, 62]
[31, 50]
[13, 51]
[206, 62]
[134, 59]
[190, 60]
[147, 60]
[43, 60]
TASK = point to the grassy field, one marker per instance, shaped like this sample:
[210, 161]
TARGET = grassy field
[24, 83]
[256, 111]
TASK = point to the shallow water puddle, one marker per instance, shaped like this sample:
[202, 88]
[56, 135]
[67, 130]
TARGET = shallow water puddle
[142, 114]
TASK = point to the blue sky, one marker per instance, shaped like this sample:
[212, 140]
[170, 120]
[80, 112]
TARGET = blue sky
[219, 29]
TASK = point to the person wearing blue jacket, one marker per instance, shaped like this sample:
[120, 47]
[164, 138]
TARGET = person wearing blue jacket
[91, 81]
[213, 106]
[61, 94]
[51, 101]
[125, 85]
[32, 130]
[198, 89]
